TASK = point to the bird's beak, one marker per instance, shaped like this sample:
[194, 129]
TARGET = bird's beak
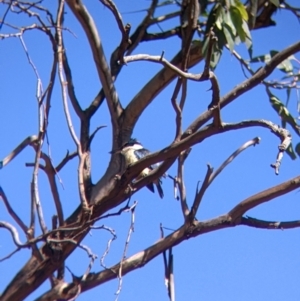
[115, 151]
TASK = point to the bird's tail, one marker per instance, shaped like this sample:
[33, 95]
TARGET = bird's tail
[159, 189]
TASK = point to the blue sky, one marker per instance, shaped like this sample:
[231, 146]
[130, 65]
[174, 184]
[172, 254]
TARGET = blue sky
[238, 263]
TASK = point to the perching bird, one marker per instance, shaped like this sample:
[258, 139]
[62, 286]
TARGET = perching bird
[134, 151]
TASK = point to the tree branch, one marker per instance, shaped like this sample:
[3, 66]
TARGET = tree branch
[27, 141]
[12, 213]
[154, 86]
[261, 224]
[263, 197]
[88, 25]
[232, 219]
[173, 150]
[82, 156]
[246, 85]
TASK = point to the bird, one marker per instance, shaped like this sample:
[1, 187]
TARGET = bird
[133, 151]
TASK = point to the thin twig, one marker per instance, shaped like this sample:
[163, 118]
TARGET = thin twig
[114, 237]
[131, 229]
[249, 143]
[65, 160]
[262, 224]
[199, 195]
[12, 213]
[94, 133]
[36, 204]
[27, 141]
[63, 83]
[177, 109]
[180, 182]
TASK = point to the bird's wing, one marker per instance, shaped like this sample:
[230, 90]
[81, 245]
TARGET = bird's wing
[141, 153]
[154, 166]
[150, 186]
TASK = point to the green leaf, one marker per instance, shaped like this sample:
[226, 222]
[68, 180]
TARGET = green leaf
[248, 41]
[229, 36]
[250, 51]
[203, 4]
[215, 59]
[167, 2]
[288, 95]
[286, 66]
[238, 22]
[291, 153]
[275, 2]
[297, 149]
[221, 39]
[273, 52]
[261, 58]
[241, 9]
[283, 112]
[211, 20]
[219, 18]
[228, 21]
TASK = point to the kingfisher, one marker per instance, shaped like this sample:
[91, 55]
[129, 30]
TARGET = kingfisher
[133, 151]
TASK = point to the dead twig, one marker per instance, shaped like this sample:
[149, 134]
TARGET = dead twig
[12, 213]
[131, 230]
[64, 84]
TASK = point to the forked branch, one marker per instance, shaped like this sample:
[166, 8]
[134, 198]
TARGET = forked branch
[232, 219]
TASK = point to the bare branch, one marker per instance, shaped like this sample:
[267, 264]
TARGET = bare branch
[253, 142]
[162, 35]
[199, 194]
[63, 81]
[65, 160]
[177, 109]
[165, 17]
[153, 87]
[114, 237]
[172, 151]
[51, 172]
[10, 254]
[183, 233]
[261, 224]
[62, 291]
[113, 8]
[215, 103]
[125, 42]
[28, 141]
[246, 85]
[94, 133]
[168, 265]
[88, 25]
[164, 62]
[5, 14]
[14, 233]
[70, 85]
[82, 156]
[180, 182]
[131, 230]
[118, 54]
[12, 213]
[35, 199]
[263, 197]
[135, 39]
[29, 59]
